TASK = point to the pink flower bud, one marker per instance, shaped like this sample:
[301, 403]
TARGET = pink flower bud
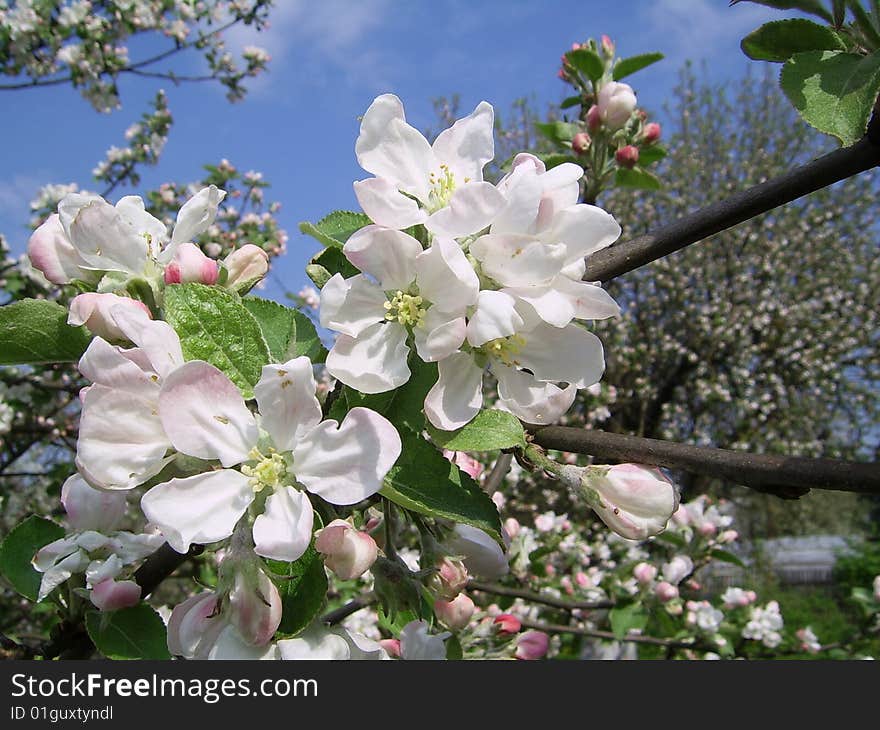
[455, 614]
[566, 584]
[707, 529]
[728, 536]
[450, 579]
[645, 573]
[607, 46]
[512, 526]
[617, 102]
[349, 553]
[532, 645]
[193, 624]
[549, 570]
[693, 585]
[594, 119]
[246, 266]
[51, 252]
[627, 156]
[254, 607]
[580, 143]
[111, 595]
[651, 133]
[582, 579]
[468, 464]
[95, 312]
[392, 646]
[665, 591]
[92, 509]
[507, 624]
[190, 265]
[575, 46]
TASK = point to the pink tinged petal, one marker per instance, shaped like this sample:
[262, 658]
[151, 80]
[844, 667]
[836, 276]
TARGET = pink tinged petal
[347, 464]
[204, 414]
[104, 364]
[197, 214]
[190, 621]
[245, 265]
[458, 393]
[94, 311]
[470, 209]
[51, 252]
[513, 260]
[284, 530]
[439, 334]
[385, 254]
[390, 148]
[55, 551]
[445, 277]
[374, 362]
[590, 301]
[286, 399]
[200, 509]
[386, 205]
[157, 339]
[584, 229]
[468, 144]
[105, 241]
[121, 439]
[92, 509]
[111, 595]
[568, 354]
[190, 265]
[531, 400]
[638, 502]
[352, 305]
[495, 317]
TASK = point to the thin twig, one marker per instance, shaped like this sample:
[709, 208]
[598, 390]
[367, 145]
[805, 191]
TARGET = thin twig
[532, 597]
[597, 634]
[499, 471]
[339, 615]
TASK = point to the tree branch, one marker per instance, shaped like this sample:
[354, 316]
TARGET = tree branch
[160, 565]
[498, 590]
[596, 634]
[339, 615]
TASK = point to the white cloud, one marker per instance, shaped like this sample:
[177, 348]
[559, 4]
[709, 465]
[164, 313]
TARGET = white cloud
[16, 194]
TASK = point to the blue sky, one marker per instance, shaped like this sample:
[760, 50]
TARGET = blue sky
[330, 58]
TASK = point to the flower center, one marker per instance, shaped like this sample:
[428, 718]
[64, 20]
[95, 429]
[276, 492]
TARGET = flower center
[442, 187]
[269, 471]
[405, 308]
[505, 349]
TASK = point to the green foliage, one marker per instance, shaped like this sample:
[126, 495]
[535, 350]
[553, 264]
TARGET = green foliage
[328, 262]
[303, 588]
[36, 331]
[137, 632]
[812, 7]
[779, 40]
[490, 430]
[336, 228]
[587, 62]
[628, 66]
[857, 568]
[287, 331]
[214, 325]
[19, 548]
[560, 132]
[626, 618]
[637, 177]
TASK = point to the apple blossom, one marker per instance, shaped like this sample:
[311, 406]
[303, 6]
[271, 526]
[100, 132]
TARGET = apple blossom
[507, 623]
[532, 645]
[91, 509]
[616, 103]
[450, 579]
[651, 133]
[245, 267]
[665, 591]
[645, 573]
[481, 555]
[189, 264]
[677, 569]
[348, 552]
[580, 143]
[877, 588]
[736, 597]
[809, 640]
[94, 311]
[417, 643]
[764, 625]
[455, 614]
[336, 644]
[627, 156]
[254, 605]
[205, 416]
[111, 595]
[704, 616]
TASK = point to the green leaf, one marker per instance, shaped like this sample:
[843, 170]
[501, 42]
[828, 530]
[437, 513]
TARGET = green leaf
[489, 431]
[628, 66]
[726, 557]
[781, 39]
[36, 331]
[555, 159]
[18, 549]
[651, 154]
[332, 261]
[215, 326]
[423, 481]
[558, 131]
[587, 62]
[625, 618]
[833, 91]
[287, 331]
[335, 229]
[812, 7]
[673, 538]
[137, 632]
[571, 101]
[637, 178]
[303, 587]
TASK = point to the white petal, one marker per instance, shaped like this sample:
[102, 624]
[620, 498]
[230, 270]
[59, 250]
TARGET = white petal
[197, 214]
[347, 464]
[315, 643]
[568, 354]
[482, 555]
[94, 311]
[522, 188]
[351, 305]
[390, 148]
[104, 364]
[284, 530]
[531, 400]
[563, 300]
[513, 260]
[417, 644]
[385, 254]
[445, 277]
[88, 508]
[200, 509]
[204, 414]
[61, 571]
[470, 209]
[468, 144]
[50, 554]
[287, 402]
[230, 645]
[157, 339]
[374, 362]
[458, 393]
[386, 205]
[121, 439]
[584, 229]
[495, 317]
[51, 252]
[105, 241]
[439, 334]
[133, 213]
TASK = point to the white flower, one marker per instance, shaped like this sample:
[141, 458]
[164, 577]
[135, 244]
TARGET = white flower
[765, 625]
[677, 569]
[417, 643]
[616, 103]
[704, 616]
[481, 555]
[205, 416]
[94, 311]
[439, 185]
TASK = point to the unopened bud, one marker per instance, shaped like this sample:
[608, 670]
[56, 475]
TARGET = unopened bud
[245, 266]
[665, 591]
[111, 595]
[627, 156]
[594, 119]
[651, 133]
[532, 645]
[254, 607]
[607, 46]
[95, 312]
[348, 552]
[190, 265]
[617, 102]
[877, 588]
[645, 573]
[728, 536]
[392, 646]
[507, 624]
[580, 143]
[450, 579]
[512, 526]
[455, 614]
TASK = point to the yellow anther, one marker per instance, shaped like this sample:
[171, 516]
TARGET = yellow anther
[269, 471]
[442, 187]
[505, 349]
[405, 309]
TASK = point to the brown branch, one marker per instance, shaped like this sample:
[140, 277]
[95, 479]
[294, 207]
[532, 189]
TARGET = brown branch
[353, 606]
[498, 590]
[160, 565]
[597, 634]
[788, 477]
